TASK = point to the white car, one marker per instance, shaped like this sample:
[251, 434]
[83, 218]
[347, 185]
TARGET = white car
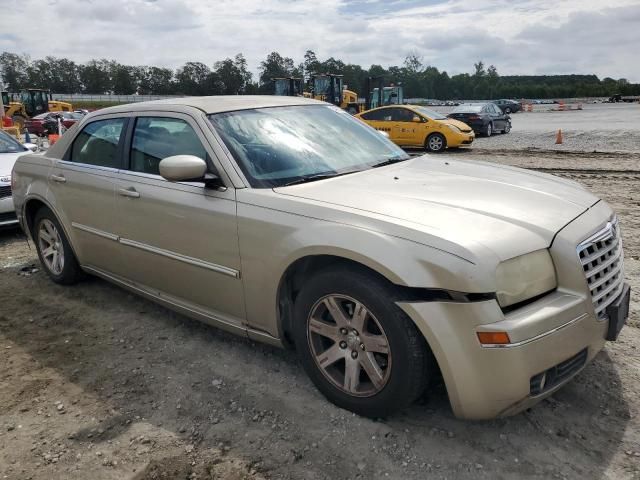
[10, 150]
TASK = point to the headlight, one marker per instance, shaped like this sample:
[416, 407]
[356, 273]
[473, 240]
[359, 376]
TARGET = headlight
[454, 128]
[524, 277]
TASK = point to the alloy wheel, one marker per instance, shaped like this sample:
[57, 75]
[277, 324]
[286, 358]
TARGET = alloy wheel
[349, 345]
[435, 143]
[51, 247]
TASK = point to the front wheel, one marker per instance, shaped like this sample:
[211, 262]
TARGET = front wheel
[507, 110]
[435, 143]
[359, 349]
[507, 128]
[54, 250]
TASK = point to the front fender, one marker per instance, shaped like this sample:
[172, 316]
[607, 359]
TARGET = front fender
[290, 237]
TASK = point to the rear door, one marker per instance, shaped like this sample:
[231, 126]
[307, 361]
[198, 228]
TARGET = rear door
[179, 240]
[497, 117]
[82, 186]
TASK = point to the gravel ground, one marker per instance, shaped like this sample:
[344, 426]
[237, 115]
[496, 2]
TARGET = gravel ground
[596, 128]
[97, 383]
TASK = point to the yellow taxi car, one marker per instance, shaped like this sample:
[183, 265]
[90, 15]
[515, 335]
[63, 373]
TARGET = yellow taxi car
[417, 126]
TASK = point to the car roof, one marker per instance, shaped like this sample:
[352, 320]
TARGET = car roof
[214, 104]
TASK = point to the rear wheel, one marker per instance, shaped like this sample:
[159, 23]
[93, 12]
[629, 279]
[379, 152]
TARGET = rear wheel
[435, 143]
[507, 110]
[54, 250]
[488, 130]
[359, 349]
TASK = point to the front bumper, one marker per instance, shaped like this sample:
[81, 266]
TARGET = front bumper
[558, 332]
[460, 139]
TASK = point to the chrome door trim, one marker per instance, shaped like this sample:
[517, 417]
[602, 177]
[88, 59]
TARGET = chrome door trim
[95, 231]
[182, 258]
[537, 337]
[173, 303]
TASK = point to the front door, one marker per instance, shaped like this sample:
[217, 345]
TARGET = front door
[82, 186]
[178, 239]
[405, 130]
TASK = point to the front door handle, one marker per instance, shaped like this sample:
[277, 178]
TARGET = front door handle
[58, 178]
[129, 192]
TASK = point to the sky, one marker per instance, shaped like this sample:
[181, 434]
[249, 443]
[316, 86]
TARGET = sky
[518, 37]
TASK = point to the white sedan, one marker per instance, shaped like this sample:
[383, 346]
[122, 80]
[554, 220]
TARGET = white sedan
[10, 150]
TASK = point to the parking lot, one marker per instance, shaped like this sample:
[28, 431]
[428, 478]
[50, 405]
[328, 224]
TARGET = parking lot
[101, 384]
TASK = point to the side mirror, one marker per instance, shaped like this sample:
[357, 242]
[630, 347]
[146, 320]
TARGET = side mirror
[182, 168]
[416, 119]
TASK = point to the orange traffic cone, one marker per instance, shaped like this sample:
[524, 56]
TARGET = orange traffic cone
[559, 137]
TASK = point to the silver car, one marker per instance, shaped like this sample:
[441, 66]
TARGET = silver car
[290, 222]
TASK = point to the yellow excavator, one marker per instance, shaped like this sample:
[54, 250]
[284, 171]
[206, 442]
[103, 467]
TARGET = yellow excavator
[32, 102]
[329, 87]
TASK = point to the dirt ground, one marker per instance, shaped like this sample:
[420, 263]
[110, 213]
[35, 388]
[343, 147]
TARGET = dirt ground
[96, 383]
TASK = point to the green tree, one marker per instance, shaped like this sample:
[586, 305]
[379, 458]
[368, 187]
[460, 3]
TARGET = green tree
[13, 69]
[274, 66]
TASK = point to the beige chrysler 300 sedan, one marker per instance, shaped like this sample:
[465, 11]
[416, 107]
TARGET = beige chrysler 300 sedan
[290, 222]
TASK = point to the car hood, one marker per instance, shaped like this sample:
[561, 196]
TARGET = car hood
[7, 160]
[508, 210]
[457, 123]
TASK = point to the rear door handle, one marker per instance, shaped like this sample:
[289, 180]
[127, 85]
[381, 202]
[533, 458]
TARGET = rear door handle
[129, 192]
[58, 178]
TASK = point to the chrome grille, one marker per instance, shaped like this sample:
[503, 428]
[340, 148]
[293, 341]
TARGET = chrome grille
[5, 191]
[602, 260]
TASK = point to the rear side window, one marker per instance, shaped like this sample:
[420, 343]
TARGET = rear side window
[155, 138]
[97, 143]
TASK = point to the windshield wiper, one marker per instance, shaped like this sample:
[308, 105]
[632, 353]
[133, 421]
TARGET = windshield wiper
[390, 161]
[318, 176]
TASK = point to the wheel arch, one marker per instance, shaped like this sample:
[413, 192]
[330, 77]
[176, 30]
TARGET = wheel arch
[292, 280]
[30, 209]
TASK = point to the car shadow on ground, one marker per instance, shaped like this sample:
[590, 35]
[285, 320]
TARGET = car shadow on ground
[145, 363]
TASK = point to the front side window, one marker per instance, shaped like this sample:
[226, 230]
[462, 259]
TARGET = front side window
[279, 145]
[97, 143]
[402, 115]
[377, 115]
[155, 138]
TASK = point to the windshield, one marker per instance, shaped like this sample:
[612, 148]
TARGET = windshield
[468, 109]
[279, 145]
[432, 114]
[9, 144]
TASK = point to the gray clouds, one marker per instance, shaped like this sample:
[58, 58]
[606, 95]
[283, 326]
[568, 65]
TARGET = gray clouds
[519, 37]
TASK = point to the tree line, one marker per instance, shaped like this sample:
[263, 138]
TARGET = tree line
[231, 76]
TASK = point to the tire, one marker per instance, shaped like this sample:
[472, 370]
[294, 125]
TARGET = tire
[488, 130]
[18, 121]
[507, 110]
[436, 143]
[55, 253]
[402, 373]
[507, 128]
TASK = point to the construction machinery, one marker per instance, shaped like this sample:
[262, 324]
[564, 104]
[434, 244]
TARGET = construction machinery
[287, 86]
[380, 96]
[31, 102]
[330, 88]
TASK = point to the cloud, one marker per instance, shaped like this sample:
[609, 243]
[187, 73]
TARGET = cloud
[518, 36]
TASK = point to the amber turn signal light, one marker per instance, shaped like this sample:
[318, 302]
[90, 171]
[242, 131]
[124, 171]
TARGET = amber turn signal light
[493, 338]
